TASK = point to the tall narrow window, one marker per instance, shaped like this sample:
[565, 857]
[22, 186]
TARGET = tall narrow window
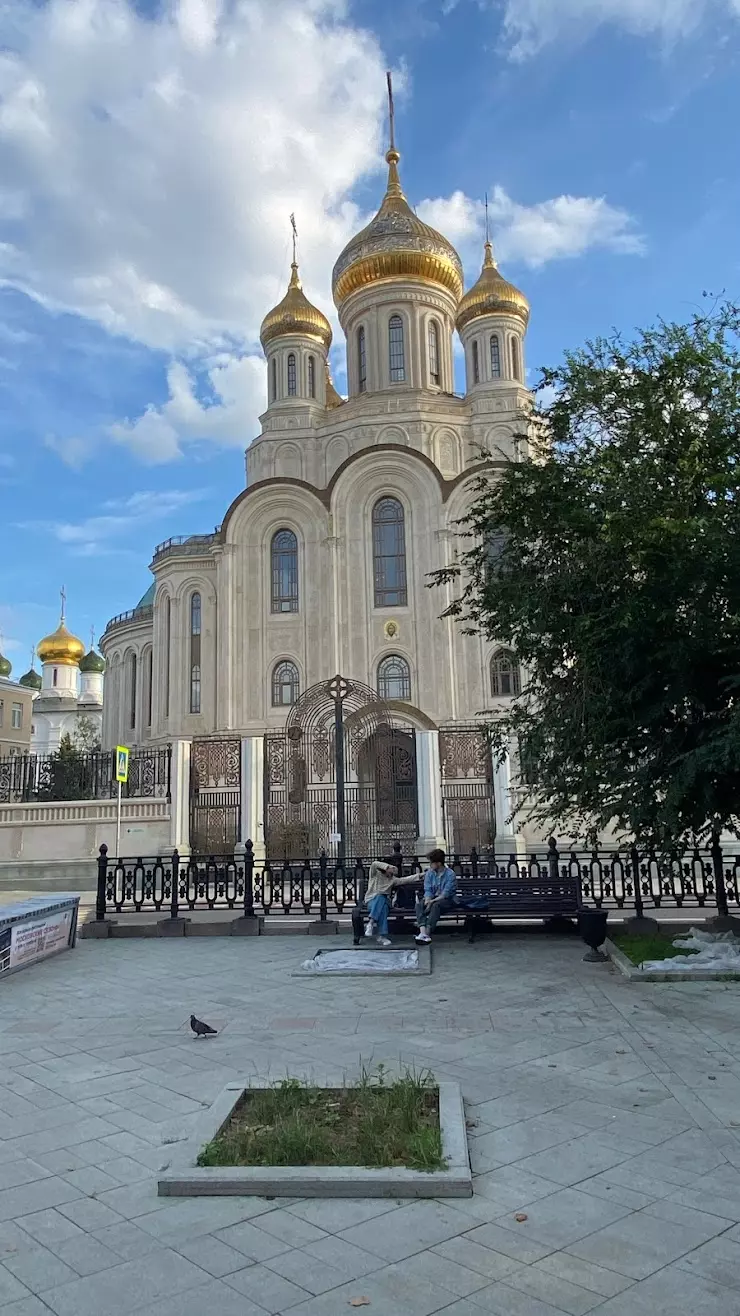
[132, 691]
[516, 360]
[284, 562]
[16, 717]
[195, 654]
[167, 651]
[495, 357]
[149, 685]
[361, 362]
[285, 685]
[433, 352]
[291, 375]
[55, 676]
[476, 364]
[273, 379]
[505, 678]
[394, 678]
[389, 554]
[396, 354]
[311, 377]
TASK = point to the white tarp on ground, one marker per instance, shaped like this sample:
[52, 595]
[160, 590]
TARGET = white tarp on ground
[363, 961]
[718, 952]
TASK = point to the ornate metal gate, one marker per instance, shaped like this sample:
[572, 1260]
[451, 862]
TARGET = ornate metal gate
[215, 795]
[467, 789]
[341, 777]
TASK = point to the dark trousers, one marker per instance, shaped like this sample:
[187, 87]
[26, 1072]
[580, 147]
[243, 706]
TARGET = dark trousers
[429, 918]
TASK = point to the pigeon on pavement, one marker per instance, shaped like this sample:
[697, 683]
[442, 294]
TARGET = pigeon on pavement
[200, 1029]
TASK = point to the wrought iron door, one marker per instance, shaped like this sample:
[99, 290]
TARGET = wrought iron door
[467, 789]
[215, 796]
[341, 777]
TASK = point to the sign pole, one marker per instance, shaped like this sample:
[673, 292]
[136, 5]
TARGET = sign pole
[118, 825]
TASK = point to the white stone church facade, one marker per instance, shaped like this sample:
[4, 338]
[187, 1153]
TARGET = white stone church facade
[322, 563]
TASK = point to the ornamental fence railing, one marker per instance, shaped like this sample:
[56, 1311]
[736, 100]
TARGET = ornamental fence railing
[35, 778]
[631, 880]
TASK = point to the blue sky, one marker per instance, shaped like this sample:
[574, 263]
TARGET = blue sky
[150, 156]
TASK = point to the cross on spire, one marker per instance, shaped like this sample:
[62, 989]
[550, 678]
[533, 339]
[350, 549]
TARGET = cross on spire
[295, 236]
[391, 112]
[92, 637]
[63, 596]
[488, 236]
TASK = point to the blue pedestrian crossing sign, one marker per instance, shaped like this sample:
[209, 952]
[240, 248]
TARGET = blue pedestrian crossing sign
[122, 763]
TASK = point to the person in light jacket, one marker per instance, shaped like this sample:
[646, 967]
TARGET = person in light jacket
[384, 877]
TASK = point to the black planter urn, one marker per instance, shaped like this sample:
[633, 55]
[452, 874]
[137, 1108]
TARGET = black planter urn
[592, 927]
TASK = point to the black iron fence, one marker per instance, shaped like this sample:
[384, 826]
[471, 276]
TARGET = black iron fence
[630, 880]
[35, 778]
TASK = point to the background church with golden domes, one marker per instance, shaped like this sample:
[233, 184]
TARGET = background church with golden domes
[322, 562]
[66, 695]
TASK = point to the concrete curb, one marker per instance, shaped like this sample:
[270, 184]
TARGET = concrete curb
[636, 974]
[186, 1179]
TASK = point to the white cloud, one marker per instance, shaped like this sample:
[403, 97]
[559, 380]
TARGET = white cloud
[238, 390]
[561, 227]
[111, 531]
[531, 24]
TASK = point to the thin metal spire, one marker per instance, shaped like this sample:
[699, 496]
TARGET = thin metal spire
[488, 236]
[63, 596]
[391, 112]
[295, 237]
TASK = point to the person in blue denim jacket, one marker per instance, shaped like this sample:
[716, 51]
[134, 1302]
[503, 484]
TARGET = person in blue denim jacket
[440, 892]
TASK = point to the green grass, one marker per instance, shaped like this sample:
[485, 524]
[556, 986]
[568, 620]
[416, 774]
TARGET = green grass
[655, 946]
[377, 1122]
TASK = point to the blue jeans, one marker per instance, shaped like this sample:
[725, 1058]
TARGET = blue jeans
[429, 918]
[379, 909]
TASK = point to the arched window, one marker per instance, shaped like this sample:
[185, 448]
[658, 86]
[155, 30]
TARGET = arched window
[132, 691]
[291, 375]
[433, 352]
[195, 656]
[285, 685]
[476, 364]
[284, 562]
[516, 359]
[167, 644]
[361, 362]
[273, 379]
[149, 685]
[504, 673]
[396, 354]
[495, 357]
[394, 678]
[389, 554]
[311, 377]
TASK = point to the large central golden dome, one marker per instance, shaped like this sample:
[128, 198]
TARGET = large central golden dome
[396, 244]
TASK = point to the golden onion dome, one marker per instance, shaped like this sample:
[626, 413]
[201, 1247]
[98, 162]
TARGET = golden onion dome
[492, 294]
[62, 648]
[396, 244]
[333, 399]
[295, 315]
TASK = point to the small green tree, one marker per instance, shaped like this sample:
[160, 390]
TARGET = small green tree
[609, 559]
[86, 738]
[69, 778]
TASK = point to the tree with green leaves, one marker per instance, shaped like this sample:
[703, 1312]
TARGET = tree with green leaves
[608, 558]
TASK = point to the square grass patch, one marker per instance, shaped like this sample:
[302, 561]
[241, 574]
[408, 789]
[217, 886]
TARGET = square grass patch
[389, 1138]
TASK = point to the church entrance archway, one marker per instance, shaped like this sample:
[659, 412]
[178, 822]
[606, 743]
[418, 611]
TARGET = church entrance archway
[215, 795]
[341, 777]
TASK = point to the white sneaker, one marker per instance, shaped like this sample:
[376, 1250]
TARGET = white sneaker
[384, 941]
[369, 928]
[423, 938]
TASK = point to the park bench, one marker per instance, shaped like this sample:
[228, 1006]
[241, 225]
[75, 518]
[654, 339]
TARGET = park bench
[489, 897]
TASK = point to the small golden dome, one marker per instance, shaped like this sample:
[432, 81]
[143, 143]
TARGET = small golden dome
[333, 399]
[295, 315]
[62, 648]
[396, 244]
[491, 295]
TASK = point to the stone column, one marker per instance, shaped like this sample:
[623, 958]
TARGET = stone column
[180, 802]
[509, 839]
[252, 826]
[429, 792]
